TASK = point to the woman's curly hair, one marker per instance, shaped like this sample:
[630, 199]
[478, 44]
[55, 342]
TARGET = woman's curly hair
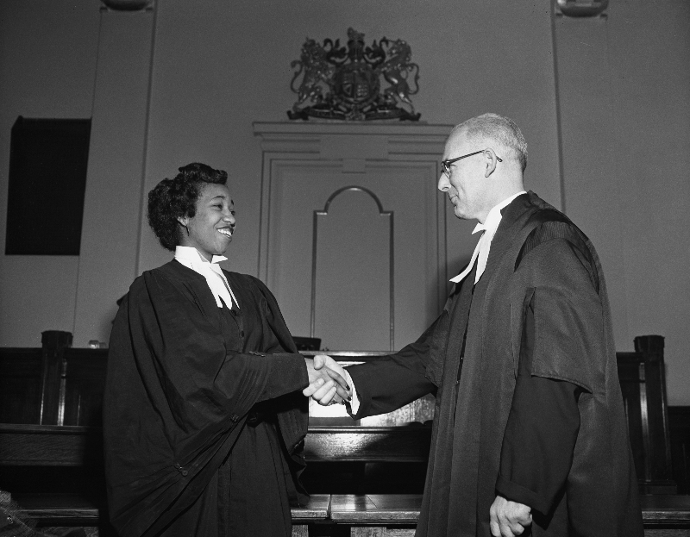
[174, 198]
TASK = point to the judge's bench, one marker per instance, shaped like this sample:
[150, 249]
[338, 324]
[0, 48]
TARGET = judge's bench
[366, 477]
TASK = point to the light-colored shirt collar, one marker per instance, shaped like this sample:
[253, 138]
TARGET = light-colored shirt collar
[216, 280]
[481, 251]
[189, 254]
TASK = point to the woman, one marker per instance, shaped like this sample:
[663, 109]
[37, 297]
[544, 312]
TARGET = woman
[204, 414]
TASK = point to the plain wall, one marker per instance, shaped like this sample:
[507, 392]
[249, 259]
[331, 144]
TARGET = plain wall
[48, 55]
[604, 104]
[624, 101]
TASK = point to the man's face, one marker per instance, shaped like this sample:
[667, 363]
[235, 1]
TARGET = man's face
[466, 183]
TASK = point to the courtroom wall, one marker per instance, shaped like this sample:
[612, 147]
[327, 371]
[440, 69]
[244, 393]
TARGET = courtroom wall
[624, 101]
[606, 117]
[47, 70]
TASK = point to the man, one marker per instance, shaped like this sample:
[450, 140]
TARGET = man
[529, 429]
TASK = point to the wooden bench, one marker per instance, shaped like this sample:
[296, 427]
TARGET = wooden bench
[355, 515]
[75, 510]
[395, 515]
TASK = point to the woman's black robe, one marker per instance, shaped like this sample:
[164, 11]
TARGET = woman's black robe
[182, 378]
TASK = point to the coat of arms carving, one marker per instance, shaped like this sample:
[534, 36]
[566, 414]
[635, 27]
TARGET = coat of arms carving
[345, 82]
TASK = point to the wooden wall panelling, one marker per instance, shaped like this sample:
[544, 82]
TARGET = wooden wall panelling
[384, 172]
[20, 385]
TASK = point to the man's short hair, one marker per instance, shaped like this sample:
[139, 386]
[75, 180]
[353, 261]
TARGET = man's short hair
[499, 128]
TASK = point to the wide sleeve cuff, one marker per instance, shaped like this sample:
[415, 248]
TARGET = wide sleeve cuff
[518, 493]
[262, 376]
[288, 374]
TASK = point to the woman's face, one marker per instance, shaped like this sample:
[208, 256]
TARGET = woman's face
[212, 226]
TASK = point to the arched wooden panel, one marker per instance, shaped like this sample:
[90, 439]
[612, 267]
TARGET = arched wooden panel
[352, 294]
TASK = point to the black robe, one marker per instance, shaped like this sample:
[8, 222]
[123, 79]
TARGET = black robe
[183, 376]
[542, 276]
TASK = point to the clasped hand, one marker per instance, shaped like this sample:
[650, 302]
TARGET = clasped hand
[509, 519]
[327, 384]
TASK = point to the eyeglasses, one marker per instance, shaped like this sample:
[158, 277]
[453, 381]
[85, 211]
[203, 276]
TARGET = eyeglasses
[445, 164]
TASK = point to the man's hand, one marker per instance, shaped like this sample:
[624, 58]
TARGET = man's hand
[327, 382]
[509, 518]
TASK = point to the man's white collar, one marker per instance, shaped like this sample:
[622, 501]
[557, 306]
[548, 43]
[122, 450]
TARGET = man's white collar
[481, 251]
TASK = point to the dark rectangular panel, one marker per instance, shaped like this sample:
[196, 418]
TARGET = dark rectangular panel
[47, 180]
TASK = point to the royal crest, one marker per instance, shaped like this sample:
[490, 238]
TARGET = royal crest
[345, 82]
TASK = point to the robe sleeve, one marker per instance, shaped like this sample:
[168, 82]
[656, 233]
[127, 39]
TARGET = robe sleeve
[205, 386]
[568, 314]
[392, 381]
[540, 434]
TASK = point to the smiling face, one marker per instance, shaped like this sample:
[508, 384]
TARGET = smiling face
[212, 226]
[466, 186]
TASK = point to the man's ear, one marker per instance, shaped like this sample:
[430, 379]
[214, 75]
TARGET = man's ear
[183, 220]
[491, 162]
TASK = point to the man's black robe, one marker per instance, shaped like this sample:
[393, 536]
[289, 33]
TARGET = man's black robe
[540, 265]
[182, 378]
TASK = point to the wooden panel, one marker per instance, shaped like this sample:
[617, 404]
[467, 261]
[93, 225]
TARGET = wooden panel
[304, 165]
[352, 268]
[84, 381]
[60, 509]
[71, 510]
[75, 446]
[370, 444]
[375, 508]
[50, 445]
[20, 385]
[402, 189]
[666, 508]
[679, 431]
[316, 508]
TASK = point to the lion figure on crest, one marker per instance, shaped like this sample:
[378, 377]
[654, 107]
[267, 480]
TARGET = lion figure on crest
[396, 70]
[317, 71]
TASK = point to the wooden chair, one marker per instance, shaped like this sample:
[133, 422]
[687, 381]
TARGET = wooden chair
[643, 384]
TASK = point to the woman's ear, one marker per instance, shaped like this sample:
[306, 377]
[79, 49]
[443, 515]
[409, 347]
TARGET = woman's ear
[184, 222]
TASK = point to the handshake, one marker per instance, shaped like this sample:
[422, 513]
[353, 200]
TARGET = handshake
[327, 381]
